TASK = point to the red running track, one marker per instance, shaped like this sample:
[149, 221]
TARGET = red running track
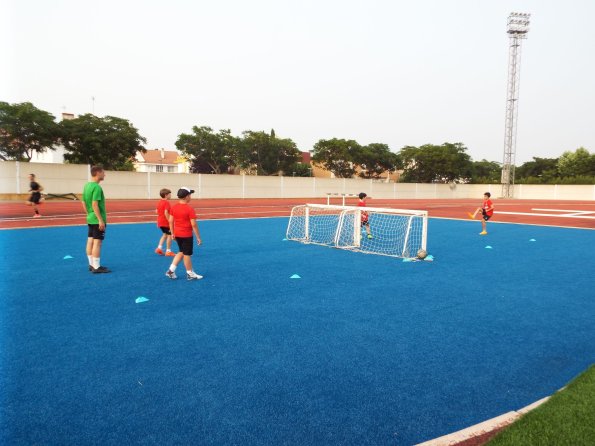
[578, 214]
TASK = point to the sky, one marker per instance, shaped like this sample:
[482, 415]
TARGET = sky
[403, 73]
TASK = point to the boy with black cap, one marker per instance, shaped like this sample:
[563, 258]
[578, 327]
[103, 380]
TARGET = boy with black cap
[182, 223]
[365, 217]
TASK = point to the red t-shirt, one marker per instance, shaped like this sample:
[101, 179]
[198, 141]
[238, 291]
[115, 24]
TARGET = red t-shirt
[162, 206]
[487, 204]
[364, 214]
[183, 213]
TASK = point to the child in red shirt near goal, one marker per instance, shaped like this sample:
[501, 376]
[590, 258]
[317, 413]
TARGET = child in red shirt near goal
[487, 210]
[163, 208]
[365, 216]
[182, 223]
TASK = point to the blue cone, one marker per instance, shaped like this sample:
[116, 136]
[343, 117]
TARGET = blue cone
[66, 257]
[488, 247]
[295, 276]
[532, 240]
[141, 299]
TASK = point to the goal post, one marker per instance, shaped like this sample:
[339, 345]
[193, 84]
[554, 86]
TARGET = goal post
[393, 232]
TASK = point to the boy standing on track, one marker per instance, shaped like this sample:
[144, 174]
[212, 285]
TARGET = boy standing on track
[487, 210]
[182, 223]
[35, 199]
[365, 216]
[163, 208]
[94, 205]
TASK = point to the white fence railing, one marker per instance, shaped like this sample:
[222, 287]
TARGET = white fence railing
[70, 178]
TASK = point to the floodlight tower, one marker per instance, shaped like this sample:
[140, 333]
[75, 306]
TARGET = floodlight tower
[517, 29]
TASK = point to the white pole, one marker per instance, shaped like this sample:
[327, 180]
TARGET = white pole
[243, 185]
[199, 185]
[18, 174]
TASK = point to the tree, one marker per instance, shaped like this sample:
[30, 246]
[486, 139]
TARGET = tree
[436, 164]
[268, 154]
[209, 152]
[375, 159]
[540, 170]
[338, 156]
[25, 130]
[109, 141]
[486, 172]
[577, 163]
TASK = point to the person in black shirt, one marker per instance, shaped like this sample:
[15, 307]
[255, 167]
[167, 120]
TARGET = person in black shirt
[34, 200]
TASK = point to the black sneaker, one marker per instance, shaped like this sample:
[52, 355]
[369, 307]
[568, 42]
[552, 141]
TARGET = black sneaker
[91, 268]
[101, 269]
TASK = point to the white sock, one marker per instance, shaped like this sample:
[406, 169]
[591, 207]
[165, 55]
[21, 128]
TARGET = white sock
[159, 246]
[90, 260]
[96, 262]
[172, 268]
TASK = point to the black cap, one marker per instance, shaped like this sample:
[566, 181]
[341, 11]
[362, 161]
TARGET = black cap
[184, 192]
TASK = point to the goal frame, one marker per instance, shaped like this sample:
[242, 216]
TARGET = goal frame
[342, 213]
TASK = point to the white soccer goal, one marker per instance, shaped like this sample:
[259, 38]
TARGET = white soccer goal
[395, 232]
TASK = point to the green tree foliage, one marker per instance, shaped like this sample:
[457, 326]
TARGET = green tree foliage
[299, 170]
[267, 154]
[339, 156]
[430, 163]
[375, 159]
[25, 130]
[577, 163]
[486, 172]
[540, 170]
[109, 141]
[209, 152]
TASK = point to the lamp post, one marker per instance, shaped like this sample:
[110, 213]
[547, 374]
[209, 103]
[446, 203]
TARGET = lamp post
[517, 29]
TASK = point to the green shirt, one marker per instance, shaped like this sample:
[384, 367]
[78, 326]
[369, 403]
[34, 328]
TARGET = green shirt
[93, 192]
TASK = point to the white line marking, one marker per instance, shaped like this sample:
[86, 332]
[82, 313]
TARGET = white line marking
[534, 214]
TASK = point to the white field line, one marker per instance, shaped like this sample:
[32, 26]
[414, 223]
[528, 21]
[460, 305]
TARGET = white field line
[537, 214]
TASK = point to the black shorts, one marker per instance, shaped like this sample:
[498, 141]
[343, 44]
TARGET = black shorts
[35, 198]
[365, 223]
[165, 230]
[185, 245]
[485, 216]
[95, 233]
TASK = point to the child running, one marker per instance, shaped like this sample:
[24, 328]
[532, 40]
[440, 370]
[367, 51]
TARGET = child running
[163, 208]
[35, 199]
[182, 223]
[487, 210]
[365, 217]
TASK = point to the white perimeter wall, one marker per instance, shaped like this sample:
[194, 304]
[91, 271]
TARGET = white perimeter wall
[70, 178]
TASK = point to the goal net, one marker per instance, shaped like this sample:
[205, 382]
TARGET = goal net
[393, 232]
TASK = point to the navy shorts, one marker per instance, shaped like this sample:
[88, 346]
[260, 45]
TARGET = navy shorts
[35, 198]
[185, 245]
[95, 233]
[485, 216]
[165, 230]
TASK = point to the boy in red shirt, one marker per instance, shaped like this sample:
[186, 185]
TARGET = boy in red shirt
[365, 217]
[487, 210]
[163, 208]
[182, 223]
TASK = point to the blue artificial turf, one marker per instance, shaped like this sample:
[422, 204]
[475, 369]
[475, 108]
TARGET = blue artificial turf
[361, 350]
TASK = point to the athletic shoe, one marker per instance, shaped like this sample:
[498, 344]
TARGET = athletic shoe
[170, 254]
[370, 236]
[471, 216]
[100, 270]
[193, 276]
[171, 274]
[483, 233]
[91, 268]
[37, 216]
[159, 251]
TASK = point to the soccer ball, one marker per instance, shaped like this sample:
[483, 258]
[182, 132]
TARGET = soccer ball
[422, 254]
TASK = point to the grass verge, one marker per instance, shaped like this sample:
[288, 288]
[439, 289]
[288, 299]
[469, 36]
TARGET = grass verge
[567, 418]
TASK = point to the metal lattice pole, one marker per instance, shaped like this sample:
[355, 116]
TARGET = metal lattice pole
[517, 29]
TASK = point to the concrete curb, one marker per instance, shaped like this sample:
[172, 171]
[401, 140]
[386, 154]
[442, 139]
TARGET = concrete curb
[483, 428]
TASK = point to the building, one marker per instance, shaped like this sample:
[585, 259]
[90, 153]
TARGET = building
[161, 160]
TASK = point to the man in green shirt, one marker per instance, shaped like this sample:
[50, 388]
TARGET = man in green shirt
[94, 205]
